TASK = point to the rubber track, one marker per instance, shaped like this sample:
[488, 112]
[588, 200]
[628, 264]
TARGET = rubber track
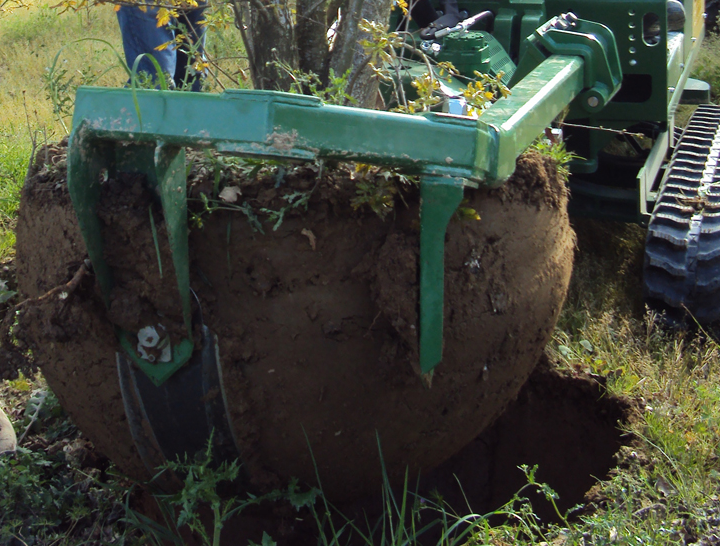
[682, 251]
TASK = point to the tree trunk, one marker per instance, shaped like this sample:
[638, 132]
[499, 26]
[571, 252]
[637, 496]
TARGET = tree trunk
[269, 41]
[311, 33]
[365, 88]
[346, 41]
[273, 40]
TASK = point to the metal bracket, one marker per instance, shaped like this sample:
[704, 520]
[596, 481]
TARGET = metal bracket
[566, 34]
[90, 158]
[178, 417]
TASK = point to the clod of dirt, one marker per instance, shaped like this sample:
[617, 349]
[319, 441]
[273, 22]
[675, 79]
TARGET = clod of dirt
[318, 342]
[13, 362]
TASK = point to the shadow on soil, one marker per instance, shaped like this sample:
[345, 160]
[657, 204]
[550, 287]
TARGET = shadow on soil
[564, 424]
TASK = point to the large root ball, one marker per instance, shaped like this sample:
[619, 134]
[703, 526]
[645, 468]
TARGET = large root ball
[317, 320]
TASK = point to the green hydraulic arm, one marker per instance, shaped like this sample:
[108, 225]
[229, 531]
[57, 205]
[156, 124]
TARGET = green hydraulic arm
[121, 130]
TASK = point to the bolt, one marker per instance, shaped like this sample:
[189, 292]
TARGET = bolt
[593, 102]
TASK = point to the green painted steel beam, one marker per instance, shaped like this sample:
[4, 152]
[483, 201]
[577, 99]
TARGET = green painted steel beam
[282, 125]
[507, 128]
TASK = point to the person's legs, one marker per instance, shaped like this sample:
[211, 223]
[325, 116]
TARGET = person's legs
[451, 17]
[140, 34]
[190, 24]
[423, 12]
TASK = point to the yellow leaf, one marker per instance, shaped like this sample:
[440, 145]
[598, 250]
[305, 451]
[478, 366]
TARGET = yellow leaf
[402, 4]
[467, 213]
[116, 7]
[21, 384]
[163, 17]
[164, 46]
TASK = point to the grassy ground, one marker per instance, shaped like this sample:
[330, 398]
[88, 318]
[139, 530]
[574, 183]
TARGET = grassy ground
[665, 489]
[31, 41]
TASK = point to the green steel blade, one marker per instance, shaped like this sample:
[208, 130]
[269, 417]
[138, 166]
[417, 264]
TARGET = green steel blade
[439, 199]
[88, 160]
[172, 183]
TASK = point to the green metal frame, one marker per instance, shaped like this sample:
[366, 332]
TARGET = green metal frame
[115, 130]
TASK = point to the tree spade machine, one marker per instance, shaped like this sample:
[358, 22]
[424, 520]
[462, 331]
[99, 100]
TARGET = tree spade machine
[322, 367]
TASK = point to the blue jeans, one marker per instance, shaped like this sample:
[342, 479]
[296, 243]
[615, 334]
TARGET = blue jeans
[140, 34]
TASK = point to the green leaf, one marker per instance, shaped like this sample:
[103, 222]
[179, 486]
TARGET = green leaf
[6, 295]
[266, 540]
[301, 500]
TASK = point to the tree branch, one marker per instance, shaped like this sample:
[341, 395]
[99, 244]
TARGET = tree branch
[239, 12]
[67, 289]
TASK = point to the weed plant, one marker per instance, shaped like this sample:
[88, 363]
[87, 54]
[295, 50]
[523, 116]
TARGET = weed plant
[47, 495]
[707, 66]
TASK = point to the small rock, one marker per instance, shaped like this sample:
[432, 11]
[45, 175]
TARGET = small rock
[8, 440]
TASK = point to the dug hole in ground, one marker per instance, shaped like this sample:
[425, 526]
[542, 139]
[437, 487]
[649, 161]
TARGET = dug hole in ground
[317, 327]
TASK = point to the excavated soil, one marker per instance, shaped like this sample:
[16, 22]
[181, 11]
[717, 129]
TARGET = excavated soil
[565, 423]
[317, 321]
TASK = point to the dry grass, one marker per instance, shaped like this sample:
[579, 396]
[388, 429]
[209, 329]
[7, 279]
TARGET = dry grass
[31, 39]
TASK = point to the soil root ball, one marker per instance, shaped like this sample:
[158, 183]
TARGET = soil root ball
[317, 319]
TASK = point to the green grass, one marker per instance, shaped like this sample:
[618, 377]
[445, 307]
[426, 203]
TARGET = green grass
[668, 477]
[31, 39]
[48, 496]
[13, 165]
[707, 67]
